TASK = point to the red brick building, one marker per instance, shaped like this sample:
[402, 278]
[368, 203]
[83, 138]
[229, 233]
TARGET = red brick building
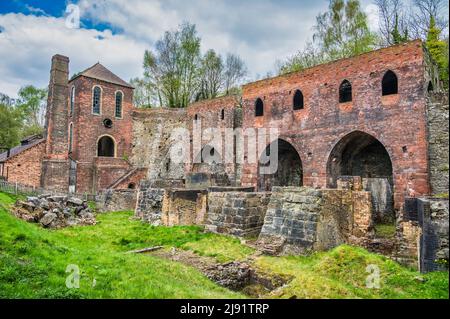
[363, 116]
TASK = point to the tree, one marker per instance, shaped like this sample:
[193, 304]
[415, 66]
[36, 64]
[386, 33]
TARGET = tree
[10, 125]
[173, 70]
[420, 19]
[393, 22]
[235, 71]
[340, 32]
[32, 103]
[143, 96]
[343, 30]
[438, 50]
[306, 58]
[211, 75]
[397, 37]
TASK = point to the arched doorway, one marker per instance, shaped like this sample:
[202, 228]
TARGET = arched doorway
[361, 154]
[106, 147]
[289, 168]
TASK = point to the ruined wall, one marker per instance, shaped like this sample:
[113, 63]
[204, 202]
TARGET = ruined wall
[438, 142]
[434, 241]
[116, 200]
[236, 213]
[301, 220]
[152, 140]
[397, 121]
[149, 203]
[26, 167]
[183, 207]
[219, 114]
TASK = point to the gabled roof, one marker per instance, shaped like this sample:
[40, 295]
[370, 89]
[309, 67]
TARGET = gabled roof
[24, 145]
[99, 72]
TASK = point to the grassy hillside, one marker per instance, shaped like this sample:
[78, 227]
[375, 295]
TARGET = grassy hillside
[33, 261]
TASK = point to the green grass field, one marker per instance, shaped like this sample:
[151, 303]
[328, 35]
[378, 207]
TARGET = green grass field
[33, 264]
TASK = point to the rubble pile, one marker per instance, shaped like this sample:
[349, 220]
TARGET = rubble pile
[54, 211]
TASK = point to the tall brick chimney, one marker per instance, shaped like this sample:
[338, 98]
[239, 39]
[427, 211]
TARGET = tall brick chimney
[55, 166]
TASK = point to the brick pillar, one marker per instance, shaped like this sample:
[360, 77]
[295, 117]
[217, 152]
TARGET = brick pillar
[55, 166]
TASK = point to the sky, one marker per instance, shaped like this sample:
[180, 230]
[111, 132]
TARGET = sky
[117, 32]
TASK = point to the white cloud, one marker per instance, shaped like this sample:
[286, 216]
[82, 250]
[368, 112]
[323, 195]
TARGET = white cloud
[27, 44]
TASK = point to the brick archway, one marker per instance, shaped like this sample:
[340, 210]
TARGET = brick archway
[289, 167]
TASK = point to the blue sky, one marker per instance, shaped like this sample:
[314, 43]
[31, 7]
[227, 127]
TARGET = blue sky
[116, 33]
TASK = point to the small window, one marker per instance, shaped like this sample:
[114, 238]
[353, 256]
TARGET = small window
[430, 87]
[298, 100]
[222, 114]
[196, 117]
[119, 98]
[96, 100]
[70, 137]
[345, 92]
[106, 147]
[132, 186]
[389, 83]
[72, 100]
[259, 107]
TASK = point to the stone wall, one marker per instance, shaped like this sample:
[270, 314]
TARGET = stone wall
[423, 234]
[152, 141]
[301, 220]
[149, 203]
[116, 200]
[438, 141]
[182, 207]
[236, 213]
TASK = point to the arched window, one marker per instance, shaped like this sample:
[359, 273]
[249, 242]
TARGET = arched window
[389, 83]
[70, 137]
[119, 98]
[72, 100]
[96, 100]
[298, 100]
[196, 117]
[430, 87]
[259, 107]
[106, 147]
[345, 92]
[222, 114]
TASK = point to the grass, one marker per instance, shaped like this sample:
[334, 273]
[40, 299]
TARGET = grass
[385, 230]
[33, 264]
[33, 260]
[342, 273]
[224, 249]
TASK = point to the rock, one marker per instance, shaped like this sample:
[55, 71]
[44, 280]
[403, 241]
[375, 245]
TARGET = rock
[48, 219]
[44, 204]
[74, 201]
[27, 205]
[57, 199]
[44, 196]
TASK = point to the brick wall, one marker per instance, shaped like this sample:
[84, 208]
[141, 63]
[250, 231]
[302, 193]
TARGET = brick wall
[397, 121]
[25, 168]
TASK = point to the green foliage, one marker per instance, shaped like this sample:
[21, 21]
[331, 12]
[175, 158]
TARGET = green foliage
[224, 249]
[385, 230]
[31, 103]
[341, 32]
[10, 125]
[397, 37]
[342, 273]
[33, 260]
[438, 50]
